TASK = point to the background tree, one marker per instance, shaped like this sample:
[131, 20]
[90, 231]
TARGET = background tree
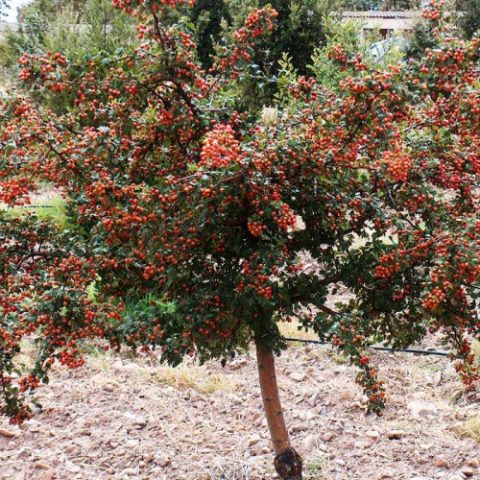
[3, 7]
[421, 39]
[90, 27]
[208, 16]
[300, 31]
[469, 20]
[203, 227]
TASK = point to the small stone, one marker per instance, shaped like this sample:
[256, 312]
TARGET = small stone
[310, 442]
[440, 462]
[373, 434]
[254, 439]
[83, 442]
[34, 426]
[129, 471]
[327, 437]
[43, 466]
[310, 415]
[314, 399]
[468, 472]
[426, 446]
[117, 365]
[297, 376]
[150, 457]
[347, 395]
[474, 463]
[111, 386]
[422, 409]
[388, 473]
[162, 459]
[72, 468]
[238, 363]
[363, 444]
[236, 399]
[138, 420]
[7, 433]
[301, 427]
[395, 434]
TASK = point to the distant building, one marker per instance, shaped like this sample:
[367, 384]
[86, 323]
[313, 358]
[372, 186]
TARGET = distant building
[7, 27]
[387, 24]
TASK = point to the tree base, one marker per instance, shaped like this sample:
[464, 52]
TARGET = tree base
[288, 465]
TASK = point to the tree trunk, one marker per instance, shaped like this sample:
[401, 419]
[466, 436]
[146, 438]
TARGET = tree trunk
[288, 462]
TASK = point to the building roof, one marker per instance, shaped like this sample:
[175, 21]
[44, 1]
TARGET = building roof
[407, 14]
[7, 26]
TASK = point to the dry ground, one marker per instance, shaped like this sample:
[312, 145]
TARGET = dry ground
[129, 418]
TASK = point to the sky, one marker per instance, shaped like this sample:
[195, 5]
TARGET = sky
[12, 11]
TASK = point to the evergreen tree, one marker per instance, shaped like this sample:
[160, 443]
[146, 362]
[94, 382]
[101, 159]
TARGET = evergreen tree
[300, 30]
[208, 16]
[469, 19]
[73, 28]
[3, 7]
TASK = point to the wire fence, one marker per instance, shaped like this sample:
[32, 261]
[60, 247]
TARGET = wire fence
[413, 351]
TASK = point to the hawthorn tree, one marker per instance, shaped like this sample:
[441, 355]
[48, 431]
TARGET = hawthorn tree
[203, 227]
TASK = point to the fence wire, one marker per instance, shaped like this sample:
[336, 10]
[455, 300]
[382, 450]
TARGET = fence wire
[413, 351]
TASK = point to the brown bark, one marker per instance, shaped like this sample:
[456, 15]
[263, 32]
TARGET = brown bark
[288, 462]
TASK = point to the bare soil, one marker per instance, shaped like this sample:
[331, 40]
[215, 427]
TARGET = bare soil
[125, 417]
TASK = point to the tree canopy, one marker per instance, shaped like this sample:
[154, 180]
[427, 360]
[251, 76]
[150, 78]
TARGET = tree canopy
[202, 226]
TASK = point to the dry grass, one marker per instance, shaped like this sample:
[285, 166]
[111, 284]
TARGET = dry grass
[476, 350]
[291, 330]
[183, 377]
[230, 469]
[25, 360]
[470, 428]
[186, 377]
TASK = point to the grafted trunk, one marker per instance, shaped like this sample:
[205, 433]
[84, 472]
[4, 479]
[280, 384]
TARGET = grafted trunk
[288, 462]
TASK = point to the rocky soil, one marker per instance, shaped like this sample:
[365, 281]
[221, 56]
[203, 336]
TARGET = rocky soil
[129, 418]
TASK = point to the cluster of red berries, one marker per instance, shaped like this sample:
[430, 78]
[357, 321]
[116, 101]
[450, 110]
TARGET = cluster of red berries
[256, 24]
[399, 164]
[220, 148]
[256, 228]
[129, 5]
[433, 299]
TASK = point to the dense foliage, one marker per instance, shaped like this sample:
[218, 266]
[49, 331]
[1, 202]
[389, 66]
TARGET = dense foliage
[469, 19]
[300, 30]
[76, 29]
[209, 17]
[202, 227]
[89, 26]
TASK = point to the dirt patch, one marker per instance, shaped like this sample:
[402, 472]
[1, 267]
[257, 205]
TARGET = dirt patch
[129, 418]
